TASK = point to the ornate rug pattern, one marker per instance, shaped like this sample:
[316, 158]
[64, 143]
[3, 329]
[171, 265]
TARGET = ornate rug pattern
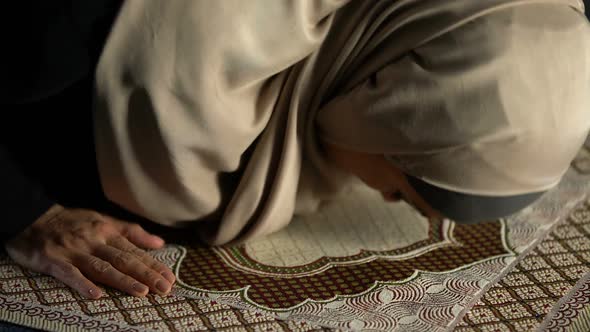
[518, 302]
[39, 302]
[407, 288]
[572, 312]
[539, 283]
[358, 265]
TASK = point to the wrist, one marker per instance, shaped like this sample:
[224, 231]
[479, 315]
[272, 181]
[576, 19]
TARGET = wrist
[53, 211]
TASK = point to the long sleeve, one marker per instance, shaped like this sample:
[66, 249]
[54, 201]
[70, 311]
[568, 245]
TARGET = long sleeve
[21, 200]
[45, 88]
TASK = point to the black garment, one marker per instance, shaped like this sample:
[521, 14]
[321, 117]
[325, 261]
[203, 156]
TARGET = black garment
[46, 138]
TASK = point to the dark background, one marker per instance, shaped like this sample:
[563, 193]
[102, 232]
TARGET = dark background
[10, 327]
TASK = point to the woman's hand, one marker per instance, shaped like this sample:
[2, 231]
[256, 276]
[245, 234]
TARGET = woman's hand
[83, 247]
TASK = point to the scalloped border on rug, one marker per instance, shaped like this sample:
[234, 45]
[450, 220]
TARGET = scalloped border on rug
[203, 269]
[413, 304]
[440, 234]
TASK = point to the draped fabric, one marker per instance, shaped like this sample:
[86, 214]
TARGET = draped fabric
[205, 112]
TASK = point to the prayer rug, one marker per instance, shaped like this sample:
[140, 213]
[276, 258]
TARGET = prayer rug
[541, 283]
[572, 313]
[359, 264]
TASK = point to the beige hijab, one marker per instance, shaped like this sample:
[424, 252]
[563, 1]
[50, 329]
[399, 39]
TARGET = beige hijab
[205, 110]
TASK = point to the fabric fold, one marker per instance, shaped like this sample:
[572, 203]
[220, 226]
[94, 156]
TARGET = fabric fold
[205, 112]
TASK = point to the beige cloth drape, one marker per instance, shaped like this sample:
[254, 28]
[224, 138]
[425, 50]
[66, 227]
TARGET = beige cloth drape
[205, 110]
[497, 107]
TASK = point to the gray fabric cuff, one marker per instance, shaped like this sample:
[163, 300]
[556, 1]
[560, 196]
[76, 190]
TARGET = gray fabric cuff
[471, 209]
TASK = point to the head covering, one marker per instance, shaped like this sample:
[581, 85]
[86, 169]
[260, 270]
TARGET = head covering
[206, 111]
[496, 107]
[484, 118]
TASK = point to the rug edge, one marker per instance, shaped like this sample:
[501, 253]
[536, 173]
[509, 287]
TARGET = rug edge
[560, 220]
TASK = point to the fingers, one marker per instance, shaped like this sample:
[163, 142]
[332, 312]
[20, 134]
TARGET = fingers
[71, 276]
[105, 273]
[132, 266]
[139, 237]
[82, 247]
[123, 244]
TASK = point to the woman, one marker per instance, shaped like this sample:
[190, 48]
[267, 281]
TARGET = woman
[233, 116]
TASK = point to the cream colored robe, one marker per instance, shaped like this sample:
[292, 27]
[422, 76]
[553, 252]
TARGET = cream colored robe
[204, 110]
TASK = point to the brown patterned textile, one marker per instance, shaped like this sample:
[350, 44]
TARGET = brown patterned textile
[523, 298]
[572, 312]
[40, 302]
[361, 265]
[204, 270]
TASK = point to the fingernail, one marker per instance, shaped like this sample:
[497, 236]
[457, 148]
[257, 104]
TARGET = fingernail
[162, 286]
[141, 288]
[95, 294]
[169, 276]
